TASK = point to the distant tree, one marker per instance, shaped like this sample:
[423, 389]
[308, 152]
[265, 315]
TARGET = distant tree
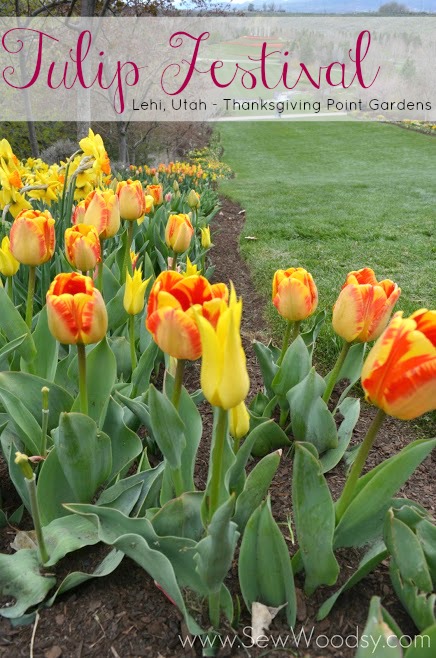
[393, 9]
[250, 7]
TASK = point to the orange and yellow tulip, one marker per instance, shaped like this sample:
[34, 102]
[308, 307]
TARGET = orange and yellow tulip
[178, 233]
[75, 309]
[156, 192]
[172, 304]
[101, 209]
[8, 263]
[82, 247]
[294, 294]
[32, 237]
[132, 199]
[399, 374]
[364, 306]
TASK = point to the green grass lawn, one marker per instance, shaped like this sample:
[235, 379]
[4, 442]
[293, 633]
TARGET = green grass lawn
[332, 198]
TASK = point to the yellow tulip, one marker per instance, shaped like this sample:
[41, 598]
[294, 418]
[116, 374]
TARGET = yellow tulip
[8, 263]
[224, 377]
[134, 292]
[206, 242]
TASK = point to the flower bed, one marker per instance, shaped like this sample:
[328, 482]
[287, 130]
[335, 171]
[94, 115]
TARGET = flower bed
[85, 353]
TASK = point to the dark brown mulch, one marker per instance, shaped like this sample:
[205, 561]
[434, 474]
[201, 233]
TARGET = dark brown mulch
[125, 615]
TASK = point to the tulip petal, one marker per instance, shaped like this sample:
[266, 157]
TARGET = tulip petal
[175, 333]
[211, 363]
[234, 384]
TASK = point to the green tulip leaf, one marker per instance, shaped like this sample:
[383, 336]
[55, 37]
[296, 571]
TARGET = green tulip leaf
[28, 387]
[312, 334]
[350, 410]
[47, 349]
[419, 605]
[101, 373]
[84, 453]
[22, 422]
[256, 488]
[311, 419]
[376, 554]
[13, 326]
[423, 644]
[378, 639]
[126, 445]
[295, 367]
[406, 550]
[181, 517]
[215, 552]
[131, 493]
[267, 365]
[363, 519]
[265, 570]
[53, 489]
[117, 315]
[68, 534]
[168, 428]
[11, 346]
[20, 579]
[426, 532]
[268, 437]
[142, 372]
[314, 519]
[351, 368]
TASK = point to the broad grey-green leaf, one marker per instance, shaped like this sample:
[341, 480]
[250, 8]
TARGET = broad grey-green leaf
[419, 605]
[13, 326]
[126, 445]
[256, 488]
[350, 410]
[20, 579]
[168, 428]
[265, 570]
[378, 640]
[314, 516]
[294, 368]
[181, 517]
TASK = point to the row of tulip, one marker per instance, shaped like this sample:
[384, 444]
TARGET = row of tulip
[85, 476]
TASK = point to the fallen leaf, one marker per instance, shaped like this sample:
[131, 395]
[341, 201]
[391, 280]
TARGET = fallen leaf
[261, 618]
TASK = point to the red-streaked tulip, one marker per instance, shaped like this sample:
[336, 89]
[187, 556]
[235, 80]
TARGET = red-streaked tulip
[32, 237]
[364, 306]
[294, 294]
[132, 199]
[101, 209]
[399, 374]
[178, 233]
[75, 309]
[171, 316]
[155, 191]
[82, 247]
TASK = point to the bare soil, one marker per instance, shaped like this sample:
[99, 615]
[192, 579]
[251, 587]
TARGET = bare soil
[126, 616]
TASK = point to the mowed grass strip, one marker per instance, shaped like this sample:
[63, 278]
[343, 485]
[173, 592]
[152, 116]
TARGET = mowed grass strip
[332, 198]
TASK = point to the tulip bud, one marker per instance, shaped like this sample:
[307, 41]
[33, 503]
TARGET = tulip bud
[193, 200]
[239, 421]
[134, 292]
[168, 197]
[8, 264]
[294, 294]
[75, 310]
[175, 186]
[156, 192]
[178, 233]
[22, 461]
[131, 198]
[82, 247]
[205, 237]
[32, 237]
[364, 306]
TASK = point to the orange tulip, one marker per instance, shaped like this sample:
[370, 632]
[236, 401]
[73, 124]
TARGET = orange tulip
[364, 306]
[399, 374]
[178, 233]
[131, 198]
[172, 304]
[156, 192]
[82, 247]
[33, 237]
[75, 309]
[294, 294]
[101, 209]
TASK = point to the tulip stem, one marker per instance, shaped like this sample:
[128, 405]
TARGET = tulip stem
[295, 328]
[133, 358]
[11, 288]
[127, 265]
[217, 460]
[100, 268]
[357, 467]
[44, 422]
[178, 481]
[30, 294]
[178, 382]
[214, 608]
[34, 507]
[174, 261]
[335, 372]
[81, 357]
